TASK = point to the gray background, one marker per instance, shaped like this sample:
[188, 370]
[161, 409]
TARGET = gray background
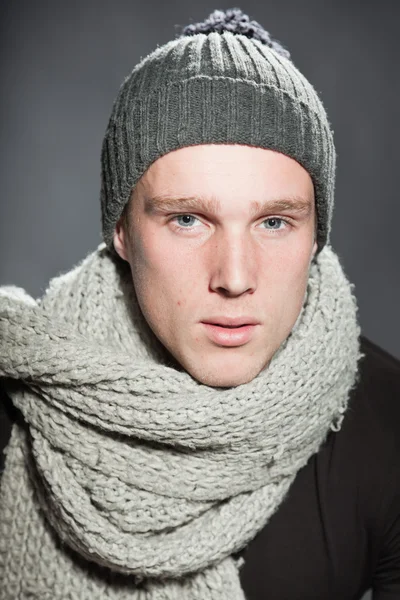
[63, 62]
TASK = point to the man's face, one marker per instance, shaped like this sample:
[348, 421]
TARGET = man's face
[237, 256]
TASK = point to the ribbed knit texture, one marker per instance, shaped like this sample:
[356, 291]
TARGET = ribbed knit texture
[127, 478]
[215, 88]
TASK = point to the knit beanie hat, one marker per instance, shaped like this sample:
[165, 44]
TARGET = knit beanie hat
[221, 81]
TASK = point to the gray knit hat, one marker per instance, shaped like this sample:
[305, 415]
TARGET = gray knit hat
[221, 81]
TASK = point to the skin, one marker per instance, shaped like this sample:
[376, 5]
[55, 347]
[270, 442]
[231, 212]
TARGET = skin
[231, 263]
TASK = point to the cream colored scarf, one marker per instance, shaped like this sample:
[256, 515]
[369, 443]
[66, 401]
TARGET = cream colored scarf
[127, 478]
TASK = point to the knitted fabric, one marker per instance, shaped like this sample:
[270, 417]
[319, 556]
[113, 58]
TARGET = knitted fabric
[126, 477]
[215, 88]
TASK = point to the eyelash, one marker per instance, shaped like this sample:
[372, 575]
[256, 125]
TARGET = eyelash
[179, 228]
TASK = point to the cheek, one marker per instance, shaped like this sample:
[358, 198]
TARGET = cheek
[162, 271]
[168, 264]
[297, 286]
[287, 277]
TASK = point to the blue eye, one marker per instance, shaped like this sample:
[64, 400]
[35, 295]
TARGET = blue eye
[186, 223]
[274, 219]
[185, 216]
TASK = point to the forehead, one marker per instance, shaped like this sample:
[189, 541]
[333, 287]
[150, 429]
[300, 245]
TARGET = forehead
[215, 173]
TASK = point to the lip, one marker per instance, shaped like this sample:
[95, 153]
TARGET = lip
[225, 336]
[231, 321]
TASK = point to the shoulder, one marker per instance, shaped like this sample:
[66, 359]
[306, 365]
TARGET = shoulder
[370, 432]
[379, 364]
[364, 456]
[375, 399]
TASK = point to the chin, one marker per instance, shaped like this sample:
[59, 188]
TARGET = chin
[215, 377]
[226, 382]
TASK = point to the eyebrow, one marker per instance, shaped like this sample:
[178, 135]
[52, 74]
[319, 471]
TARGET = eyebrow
[161, 203]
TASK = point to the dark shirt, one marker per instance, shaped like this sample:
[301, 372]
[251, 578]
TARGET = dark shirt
[337, 532]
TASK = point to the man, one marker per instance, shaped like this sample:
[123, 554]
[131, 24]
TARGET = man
[195, 411]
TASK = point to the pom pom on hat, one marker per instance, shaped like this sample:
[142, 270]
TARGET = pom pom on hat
[235, 21]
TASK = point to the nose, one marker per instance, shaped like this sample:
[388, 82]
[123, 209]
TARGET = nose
[233, 266]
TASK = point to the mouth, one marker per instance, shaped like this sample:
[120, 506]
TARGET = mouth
[228, 326]
[229, 335]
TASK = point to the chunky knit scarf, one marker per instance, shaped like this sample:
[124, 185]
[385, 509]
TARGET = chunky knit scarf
[127, 478]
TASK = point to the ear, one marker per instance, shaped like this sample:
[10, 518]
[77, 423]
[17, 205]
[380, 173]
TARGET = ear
[120, 239]
[315, 248]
